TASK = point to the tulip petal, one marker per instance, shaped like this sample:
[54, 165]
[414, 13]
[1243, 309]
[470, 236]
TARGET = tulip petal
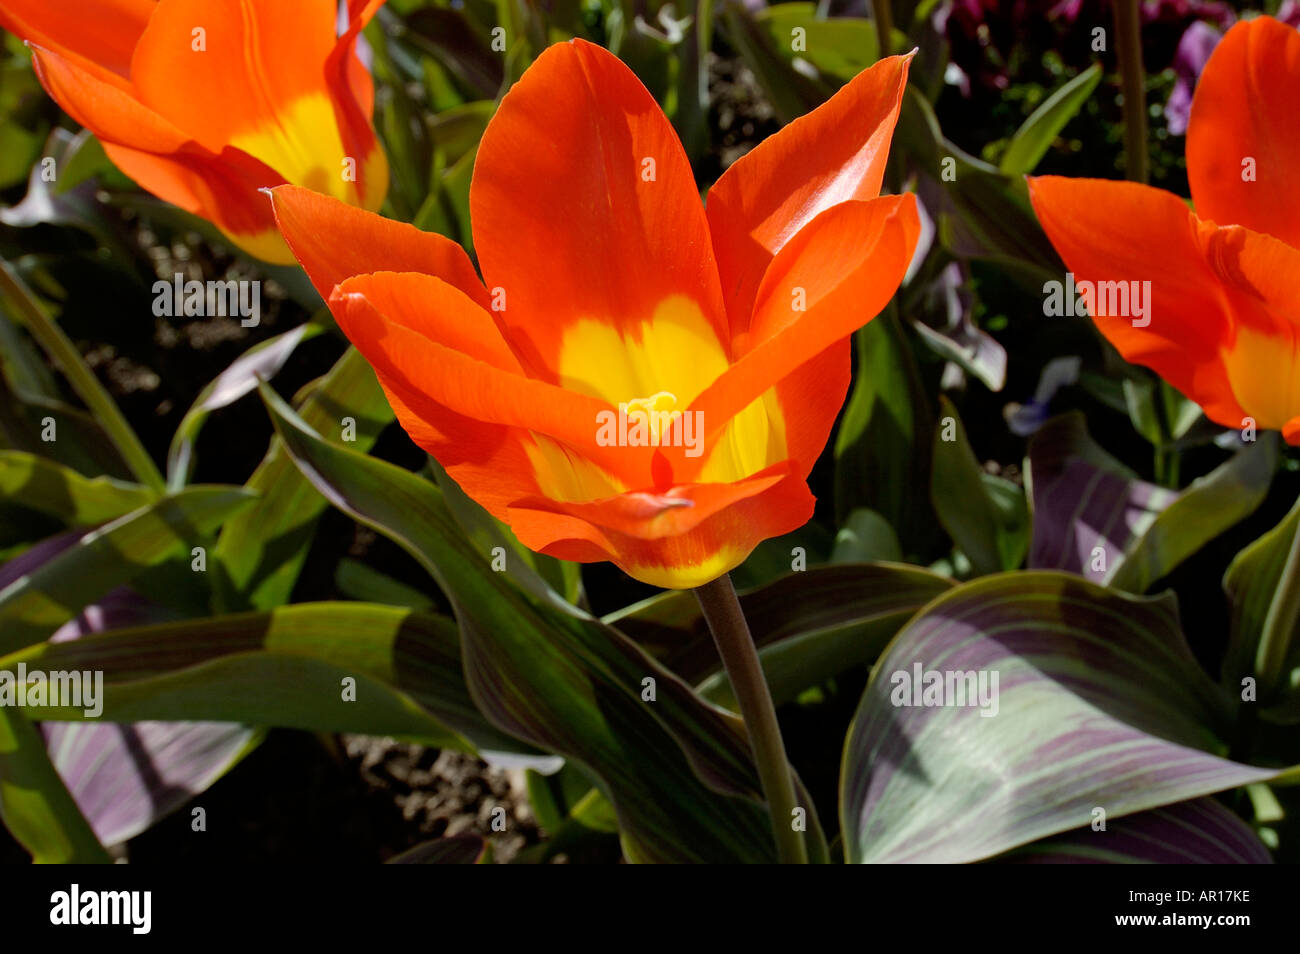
[836, 153]
[676, 547]
[810, 399]
[1220, 322]
[1260, 277]
[831, 278]
[100, 36]
[345, 69]
[394, 319]
[221, 187]
[648, 515]
[584, 206]
[335, 241]
[352, 91]
[255, 79]
[105, 108]
[1243, 142]
[253, 58]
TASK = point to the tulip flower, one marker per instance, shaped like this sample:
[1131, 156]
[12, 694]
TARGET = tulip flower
[1221, 320]
[634, 380]
[204, 102]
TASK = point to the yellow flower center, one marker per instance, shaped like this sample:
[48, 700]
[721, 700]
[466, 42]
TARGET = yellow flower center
[672, 357]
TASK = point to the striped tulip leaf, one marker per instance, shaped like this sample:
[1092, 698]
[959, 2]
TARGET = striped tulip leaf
[261, 551]
[677, 770]
[808, 626]
[1024, 705]
[62, 493]
[1094, 517]
[984, 514]
[35, 603]
[126, 777]
[1252, 586]
[284, 668]
[1197, 832]
[260, 362]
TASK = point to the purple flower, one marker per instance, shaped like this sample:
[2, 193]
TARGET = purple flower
[1194, 49]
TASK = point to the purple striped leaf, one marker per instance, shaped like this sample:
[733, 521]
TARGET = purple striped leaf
[1092, 702]
[56, 579]
[1199, 832]
[123, 778]
[126, 777]
[1095, 517]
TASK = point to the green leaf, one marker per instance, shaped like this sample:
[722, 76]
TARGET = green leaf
[82, 158]
[283, 668]
[1098, 703]
[1251, 584]
[808, 626]
[365, 583]
[260, 362]
[677, 770]
[885, 598]
[18, 83]
[1035, 136]
[790, 92]
[34, 803]
[457, 131]
[984, 212]
[1093, 516]
[37, 603]
[38, 320]
[1207, 507]
[541, 575]
[986, 516]
[807, 546]
[839, 47]
[65, 495]
[81, 442]
[261, 551]
[866, 537]
[883, 443]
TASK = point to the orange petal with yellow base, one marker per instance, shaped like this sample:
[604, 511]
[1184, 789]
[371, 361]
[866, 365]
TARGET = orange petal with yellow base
[584, 207]
[203, 103]
[1220, 322]
[602, 291]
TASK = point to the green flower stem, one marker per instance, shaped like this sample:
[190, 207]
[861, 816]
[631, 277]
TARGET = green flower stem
[1128, 46]
[1279, 624]
[740, 658]
[60, 348]
[882, 15]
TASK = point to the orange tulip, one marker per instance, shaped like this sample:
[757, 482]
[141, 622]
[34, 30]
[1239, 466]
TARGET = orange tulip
[1223, 315]
[203, 102]
[637, 381]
